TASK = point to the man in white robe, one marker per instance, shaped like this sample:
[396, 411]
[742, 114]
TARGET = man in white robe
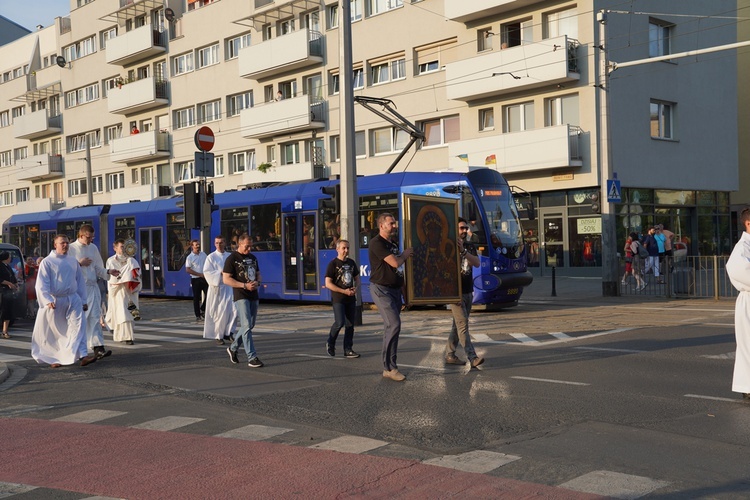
[220, 312]
[88, 256]
[738, 269]
[122, 305]
[59, 336]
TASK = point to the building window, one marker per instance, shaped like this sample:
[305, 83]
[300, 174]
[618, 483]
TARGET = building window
[197, 4]
[182, 64]
[218, 166]
[441, 131]
[77, 187]
[516, 33]
[80, 49]
[107, 35]
[185, 171]
[314, 87]
[387, 70]
[115, 181]
[6, 198]
[271, 154]
[562, 110]
[208, 56]
[241, 162]
[6, 158]
[22, 194]
[486, 119]
[334, 151]
[518, 117]
[562, 22]
[5, 118]
[375, 7]
[234, 45]
[485, 36]
[360, 148]
[184, 118]
[108, 85]
[112, 133]
[290, 153]
[388, 140]
[659, 38]
[78, 142]
[432, 57]
[332, 16]
[661, 120]
[97, 184]
[18, 111]
[238, 102]
[20, 154]
[358, 78]
[209, 111]
[82, 96]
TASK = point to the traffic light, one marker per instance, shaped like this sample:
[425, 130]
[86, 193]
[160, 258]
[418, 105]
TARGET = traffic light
[209, 207]
[334, 202]
[595, 205]
[191, 205]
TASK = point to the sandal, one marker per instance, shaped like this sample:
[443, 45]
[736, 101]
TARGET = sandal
[5, 335]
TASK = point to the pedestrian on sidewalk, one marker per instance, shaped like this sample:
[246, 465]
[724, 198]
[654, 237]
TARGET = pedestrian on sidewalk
[460, 327]
[194, 267]
[738, 269]
[59, 336]
[386, 279]
[242, 273]
[123, 304]
[342, 279]
[8, 293]
[220, 312]
[652, 261]
[635, 244]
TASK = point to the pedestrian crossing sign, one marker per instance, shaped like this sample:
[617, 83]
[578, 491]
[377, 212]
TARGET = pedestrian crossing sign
[614, 194]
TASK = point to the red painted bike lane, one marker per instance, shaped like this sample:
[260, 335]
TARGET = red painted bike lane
[133, 463]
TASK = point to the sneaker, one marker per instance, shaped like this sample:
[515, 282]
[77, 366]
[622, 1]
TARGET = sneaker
[476, 362]
[351, 354]
[255, 363]
[453, 360]
[331, 349]
[233, 356]
[394, 375]
[219, 341]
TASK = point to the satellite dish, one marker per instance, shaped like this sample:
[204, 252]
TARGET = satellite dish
[169, 14]
[60, 60]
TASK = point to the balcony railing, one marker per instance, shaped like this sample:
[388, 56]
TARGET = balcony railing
[39, 167]
[36, 125]
[464, 12]
[283, 117]
[137, 96]
[285, 173]
[139, 147]
[517, 68]
[292, 51]
[141, 192]
[530, 150]
[136, 45]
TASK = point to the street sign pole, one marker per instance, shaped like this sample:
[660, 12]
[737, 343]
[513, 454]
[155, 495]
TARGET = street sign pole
[204, 141]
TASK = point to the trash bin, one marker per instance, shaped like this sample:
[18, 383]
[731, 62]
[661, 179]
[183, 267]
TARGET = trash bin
[684, 281]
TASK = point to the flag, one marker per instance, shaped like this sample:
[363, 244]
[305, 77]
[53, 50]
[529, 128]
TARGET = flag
[490, 160]
[464, 157]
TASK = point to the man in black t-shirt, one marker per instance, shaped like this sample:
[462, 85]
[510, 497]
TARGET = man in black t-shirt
[460, 328]
[386, 278]
[242, 273]
[342, 279]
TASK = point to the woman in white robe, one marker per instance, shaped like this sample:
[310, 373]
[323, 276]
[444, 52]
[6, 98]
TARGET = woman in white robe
[122, 305]
[220, 311]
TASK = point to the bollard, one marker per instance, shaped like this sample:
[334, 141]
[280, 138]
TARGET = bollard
[554, 290]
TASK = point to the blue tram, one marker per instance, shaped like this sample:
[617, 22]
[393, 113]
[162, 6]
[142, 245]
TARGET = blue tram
[294, 232]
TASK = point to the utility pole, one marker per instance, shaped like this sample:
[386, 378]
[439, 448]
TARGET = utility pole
[348, 178]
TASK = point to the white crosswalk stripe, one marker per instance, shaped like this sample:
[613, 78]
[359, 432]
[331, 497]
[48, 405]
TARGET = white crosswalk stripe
[350, 444]
[614, 484]
[254, 432]
[167, 423]
[479, 461]
[90, 416]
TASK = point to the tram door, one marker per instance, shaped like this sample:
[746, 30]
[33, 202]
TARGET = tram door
[151, 259]
[554, 240]
[300, 255]
[46, 242]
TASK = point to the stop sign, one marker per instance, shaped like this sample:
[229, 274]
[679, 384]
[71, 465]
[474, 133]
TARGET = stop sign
[204, 139]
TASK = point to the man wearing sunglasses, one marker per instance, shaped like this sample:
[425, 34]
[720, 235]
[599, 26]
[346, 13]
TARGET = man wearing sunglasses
[460, 327]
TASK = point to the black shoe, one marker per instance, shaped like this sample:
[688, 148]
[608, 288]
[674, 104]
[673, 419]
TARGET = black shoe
[255, 363]
[220, 341]
[129, 342]
[100, 352]
[351, 354]
[229, 338]
[233, 356]
[331, 349]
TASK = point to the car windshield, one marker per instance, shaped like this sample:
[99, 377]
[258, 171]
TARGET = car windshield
[503, 225]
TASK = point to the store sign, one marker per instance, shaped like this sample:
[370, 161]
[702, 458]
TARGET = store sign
[590, 226]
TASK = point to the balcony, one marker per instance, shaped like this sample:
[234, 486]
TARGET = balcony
[144, 192]
[137, 96]
[528, 151]
[135, 46]
[283, 117]
[39, 167]
[524, 67]
[139, 147]
[293, 51]
[36, 125]
[463, 12]
[285, 173]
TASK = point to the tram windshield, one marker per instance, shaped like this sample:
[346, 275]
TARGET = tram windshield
[503, 225]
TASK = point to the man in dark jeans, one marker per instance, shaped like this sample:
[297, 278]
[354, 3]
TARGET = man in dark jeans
[194, 267]
[342, 279]
[386, 279]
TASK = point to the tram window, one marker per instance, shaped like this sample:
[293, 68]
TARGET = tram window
[265, 227]
[234, 223]
[331, 229]
[370, 208]
[471, 214]
[125, 228]
[178, 241]
[70, 229]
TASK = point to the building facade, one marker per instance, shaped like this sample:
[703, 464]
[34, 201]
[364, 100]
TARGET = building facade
[103, 106]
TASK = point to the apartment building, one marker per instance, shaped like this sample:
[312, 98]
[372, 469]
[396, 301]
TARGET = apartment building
[514, 85]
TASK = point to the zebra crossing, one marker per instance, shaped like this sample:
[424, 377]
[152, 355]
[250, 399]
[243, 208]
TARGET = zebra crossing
[601, 482]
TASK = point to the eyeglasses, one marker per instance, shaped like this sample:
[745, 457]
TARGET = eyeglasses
[463, 228]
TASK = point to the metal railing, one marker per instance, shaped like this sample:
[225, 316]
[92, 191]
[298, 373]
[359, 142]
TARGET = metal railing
[574, 137]
[573, 45]
[688, 277]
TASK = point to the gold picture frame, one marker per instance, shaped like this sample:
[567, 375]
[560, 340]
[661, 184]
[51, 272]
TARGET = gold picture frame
[431, 229]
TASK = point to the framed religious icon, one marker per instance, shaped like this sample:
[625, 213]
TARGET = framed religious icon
[431, 228]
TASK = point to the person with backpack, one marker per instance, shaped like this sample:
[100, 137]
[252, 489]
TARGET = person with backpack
[652, 262]
[637, 250]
